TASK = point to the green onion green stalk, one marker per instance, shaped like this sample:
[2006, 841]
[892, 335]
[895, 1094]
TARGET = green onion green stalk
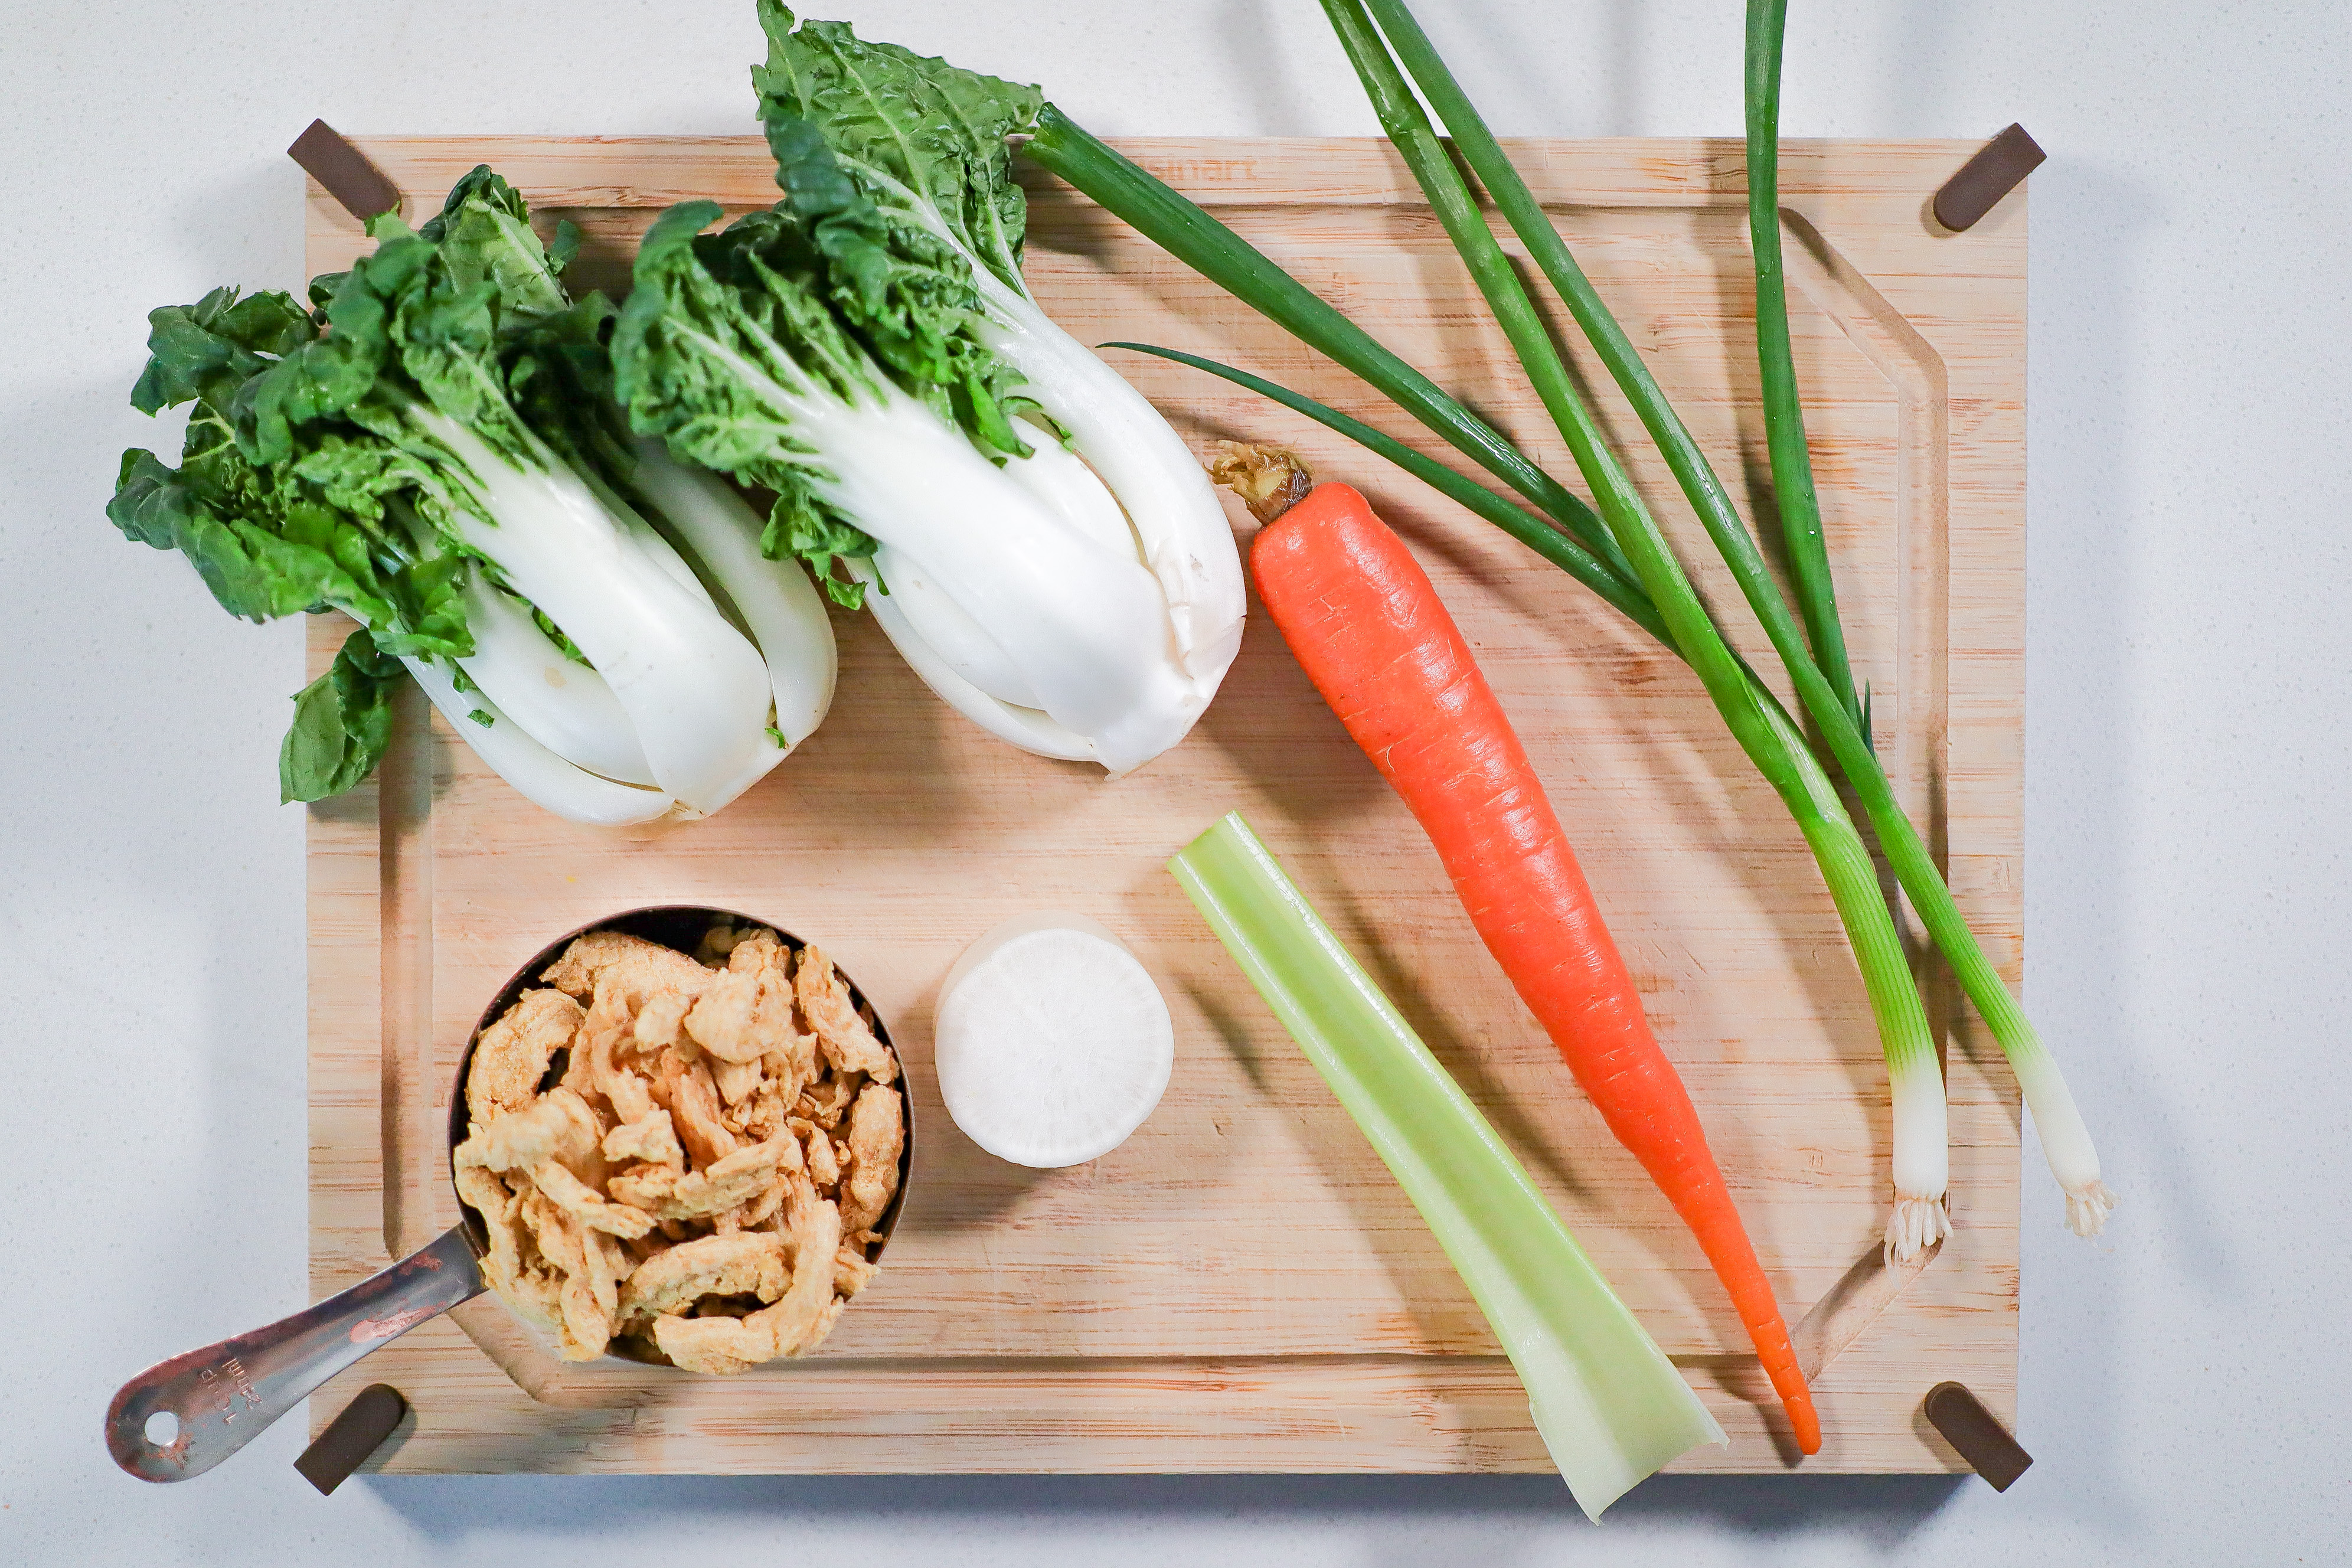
[1921, 1143]
[1784, 413]
[1529, 530]
[2065, 1137]
[1610, 1406]
[1755, 718]
[1762, 728]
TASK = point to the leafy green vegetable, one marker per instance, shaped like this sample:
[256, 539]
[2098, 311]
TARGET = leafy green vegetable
[727, 337]
[743, 349]
[268, 543]
[897, 166]
[484, 231]
[253, 572]
[905, 292]
[731, 351]
[722, 339]
[209, 349]
[455, 418]
[930, 134]
[343, 722]
[560, 379]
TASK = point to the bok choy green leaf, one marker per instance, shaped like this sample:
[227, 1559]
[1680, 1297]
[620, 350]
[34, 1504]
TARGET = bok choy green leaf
[343, 722]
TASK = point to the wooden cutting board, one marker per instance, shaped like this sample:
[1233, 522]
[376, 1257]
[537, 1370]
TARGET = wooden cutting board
[1242, 1287]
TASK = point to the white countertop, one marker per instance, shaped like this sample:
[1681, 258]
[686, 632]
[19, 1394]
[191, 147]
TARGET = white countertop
[2191, 677]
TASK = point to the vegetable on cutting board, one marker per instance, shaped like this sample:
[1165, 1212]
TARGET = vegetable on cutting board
[1921, 1161]
[2065, 1138]
[927, 141]
[1024, 527]
[1610, 1406]
[447, 463]
[1676, 616]
[1794, 498]
[1053, 1043]
[1367, 626]
[1658, 597]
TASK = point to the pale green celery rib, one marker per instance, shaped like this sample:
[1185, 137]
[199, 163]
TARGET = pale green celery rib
[1610, 1406]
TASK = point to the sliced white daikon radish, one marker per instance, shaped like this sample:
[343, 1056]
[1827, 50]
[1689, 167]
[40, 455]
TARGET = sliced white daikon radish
[1053, 1042]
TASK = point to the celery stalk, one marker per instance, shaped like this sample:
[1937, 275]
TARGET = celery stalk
[1610, 1406]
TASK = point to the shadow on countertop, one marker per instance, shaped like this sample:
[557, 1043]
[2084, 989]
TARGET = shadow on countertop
[1882, 1510]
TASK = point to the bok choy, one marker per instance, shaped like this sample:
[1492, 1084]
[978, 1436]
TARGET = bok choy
[1610, 1406]
[447, 463]
[1043, 550]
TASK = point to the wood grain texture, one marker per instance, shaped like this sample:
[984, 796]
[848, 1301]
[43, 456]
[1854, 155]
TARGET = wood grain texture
[1241, 1286]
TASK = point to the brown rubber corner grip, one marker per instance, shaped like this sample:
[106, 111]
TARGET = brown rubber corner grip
[361, 1429]
[1984, 179]
[344, 169]
[1981, 1438]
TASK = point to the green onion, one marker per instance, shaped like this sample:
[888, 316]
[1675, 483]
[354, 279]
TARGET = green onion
[1755, 718]
[1784, 413]
[1551, 543]
[2065, 1137]
[1509, 193]
[1610, 1406]
[1921, 1144]
[1180, 227]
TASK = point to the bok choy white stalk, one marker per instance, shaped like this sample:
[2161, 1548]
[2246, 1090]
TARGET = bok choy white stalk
[925, 142]
[772, 600]
[696, 691]
[536, 773]
[1611, 1407]
[526, 674]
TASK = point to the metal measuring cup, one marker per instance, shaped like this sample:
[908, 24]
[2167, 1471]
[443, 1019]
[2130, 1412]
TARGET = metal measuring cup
[223, 1396]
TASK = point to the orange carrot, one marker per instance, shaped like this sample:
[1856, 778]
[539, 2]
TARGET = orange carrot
[1365, 621]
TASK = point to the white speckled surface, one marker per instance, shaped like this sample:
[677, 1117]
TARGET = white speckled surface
[2188, 684]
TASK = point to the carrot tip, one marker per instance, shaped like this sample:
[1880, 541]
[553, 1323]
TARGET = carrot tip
[1808, 1426]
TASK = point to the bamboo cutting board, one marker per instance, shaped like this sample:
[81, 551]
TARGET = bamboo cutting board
[1241, 1286]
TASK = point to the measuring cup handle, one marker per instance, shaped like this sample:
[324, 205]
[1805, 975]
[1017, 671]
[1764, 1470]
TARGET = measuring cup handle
[223, 1394]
